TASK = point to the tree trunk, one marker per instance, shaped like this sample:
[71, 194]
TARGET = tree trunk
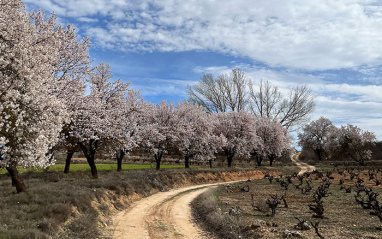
[210, 162]
[229, 160]
[186, 161]
[93, 168]
[90, 154]
[229, 156]
[259, 159]
[359, 160]
[16, 181]
[120, 156]
[158, 158]
[69, 156]
[319, 154]
[271, 159]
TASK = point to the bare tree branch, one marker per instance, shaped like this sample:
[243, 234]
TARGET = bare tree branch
[289, 112]
[226, 92]
[235, 92]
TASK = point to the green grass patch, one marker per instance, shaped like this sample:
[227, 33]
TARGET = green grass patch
[84, 167]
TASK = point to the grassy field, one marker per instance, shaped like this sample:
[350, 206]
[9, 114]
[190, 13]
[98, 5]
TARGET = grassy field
[84, 167]
[343, 217]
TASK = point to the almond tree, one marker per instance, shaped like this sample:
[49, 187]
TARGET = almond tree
[158, 135]
[237, 134]
[97, 122]
[31, 114]
[133, 118]
[193, 132]
[273, 140]
[71, 72]
[316, 136]
[353, 142]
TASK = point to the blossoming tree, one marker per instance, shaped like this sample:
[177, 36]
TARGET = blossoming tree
[353, 142]
[193, 132]
[273, 140]
[158, 135]
[237, 134]
[133, 118]
[71, 72]
[316, 136]
[31, 114]
[97, 122]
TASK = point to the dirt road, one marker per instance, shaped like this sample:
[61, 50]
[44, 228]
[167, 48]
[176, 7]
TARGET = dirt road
[303, 166]
[167, 214]
[162, 215]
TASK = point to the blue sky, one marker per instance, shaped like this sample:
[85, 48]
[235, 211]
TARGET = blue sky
[162, 46]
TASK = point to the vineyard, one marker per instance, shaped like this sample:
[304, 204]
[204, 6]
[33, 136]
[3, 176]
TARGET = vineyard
[339, 203]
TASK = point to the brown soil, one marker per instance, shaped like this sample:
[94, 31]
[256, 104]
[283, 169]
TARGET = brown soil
[344, 218]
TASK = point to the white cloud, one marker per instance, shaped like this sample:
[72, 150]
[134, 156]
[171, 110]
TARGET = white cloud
[87, 19]
[372, 125]
[312, 35]
[364, 93]
[48, 5]
[161, 87]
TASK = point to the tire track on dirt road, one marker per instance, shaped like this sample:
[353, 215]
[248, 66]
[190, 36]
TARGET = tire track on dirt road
[304, 167]
[162, 215]
[168, 214]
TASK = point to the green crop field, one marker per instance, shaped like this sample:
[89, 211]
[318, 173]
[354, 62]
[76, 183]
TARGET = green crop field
[82, 167]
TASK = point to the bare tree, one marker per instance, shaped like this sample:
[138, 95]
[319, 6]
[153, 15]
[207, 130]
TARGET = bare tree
[289, 111]
[235, 92]
[226, 92]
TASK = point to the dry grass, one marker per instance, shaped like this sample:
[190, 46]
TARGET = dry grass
[74, 205]
[213, 220]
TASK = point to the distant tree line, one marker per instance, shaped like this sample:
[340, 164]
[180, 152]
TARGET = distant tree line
[327, 141]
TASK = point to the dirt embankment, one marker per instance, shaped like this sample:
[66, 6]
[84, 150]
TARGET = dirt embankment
[167, 214]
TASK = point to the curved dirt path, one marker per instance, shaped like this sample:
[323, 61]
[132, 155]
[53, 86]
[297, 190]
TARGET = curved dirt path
[303, 166]
[162, 215]
[168, 214]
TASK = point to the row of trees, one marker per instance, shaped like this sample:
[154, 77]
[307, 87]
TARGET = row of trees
[44, 72]
[328, 141]
[116, 119]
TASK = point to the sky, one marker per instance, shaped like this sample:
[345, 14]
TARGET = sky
[160, 47]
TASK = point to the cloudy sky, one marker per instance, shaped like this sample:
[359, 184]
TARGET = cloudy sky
[334, 46]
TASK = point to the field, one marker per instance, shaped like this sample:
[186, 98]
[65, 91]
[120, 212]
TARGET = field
[58, 205]
[242, 208]
[85, 167]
